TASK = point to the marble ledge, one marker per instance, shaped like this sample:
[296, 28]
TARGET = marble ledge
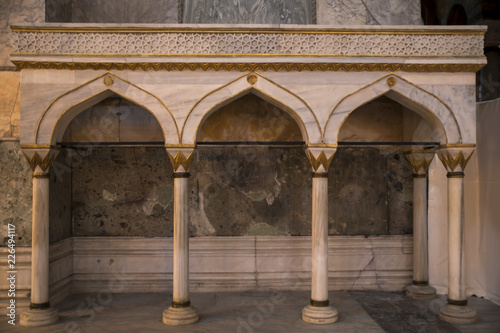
[332, 59]
[212, 27]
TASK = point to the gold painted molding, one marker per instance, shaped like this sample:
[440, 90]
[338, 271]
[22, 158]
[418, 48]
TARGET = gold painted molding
[180, 160]
[37, 161]
[322, 160]
[242, 67]
[452, 162]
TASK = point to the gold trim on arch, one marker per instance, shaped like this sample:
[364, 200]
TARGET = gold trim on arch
[391, 89]
[117, 93]
[249, 89]
[102, 91]
[252, 67]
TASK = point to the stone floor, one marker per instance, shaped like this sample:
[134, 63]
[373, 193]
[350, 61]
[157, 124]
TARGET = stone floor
[259, 312]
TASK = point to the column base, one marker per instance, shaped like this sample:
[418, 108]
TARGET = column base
[180, 316]
[39, 317]
[458, 314]
[320, 314]
[420, 292]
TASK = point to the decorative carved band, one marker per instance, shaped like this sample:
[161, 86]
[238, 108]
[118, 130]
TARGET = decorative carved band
[320, 303]
[181, 174]
[320, 174]
[243, 67]
[41, 175]
[179, 160]
[454, 302]
[252, 42]
[320, 161]
[455, 174]
[37, 161]
[181, 305]
[39, 306]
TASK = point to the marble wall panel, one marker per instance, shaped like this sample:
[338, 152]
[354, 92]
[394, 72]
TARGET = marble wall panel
[15, 193]
[371, 12]
[248, 11]
[60, 226]
[113, 11]
[16, 12]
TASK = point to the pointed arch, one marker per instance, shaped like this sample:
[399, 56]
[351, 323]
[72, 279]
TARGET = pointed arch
[63, 109]
[264, 88]
[432, 109]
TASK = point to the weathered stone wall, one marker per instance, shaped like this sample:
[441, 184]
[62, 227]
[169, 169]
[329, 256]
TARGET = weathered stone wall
[248, 11]
[15, 193]
[371, 12]
[236, 191]
[112, 11]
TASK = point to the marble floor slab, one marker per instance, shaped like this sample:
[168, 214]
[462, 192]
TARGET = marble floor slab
[259, 312]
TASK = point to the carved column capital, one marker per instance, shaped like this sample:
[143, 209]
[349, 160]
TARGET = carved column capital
[180, 157]
[40, 158]
[455, 158]
[320, 158]
[420, 161]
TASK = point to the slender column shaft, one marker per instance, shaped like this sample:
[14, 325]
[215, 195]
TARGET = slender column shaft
[456, 272]
[420, 240]
[181, 240]
[40, 242]
[319, 288]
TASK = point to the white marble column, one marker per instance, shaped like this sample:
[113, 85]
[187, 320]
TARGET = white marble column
[455, 158]
[180, 312]
[420, 289]
[40, 312]
[319, 310]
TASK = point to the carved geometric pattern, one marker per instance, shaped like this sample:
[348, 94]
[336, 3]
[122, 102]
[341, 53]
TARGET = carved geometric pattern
[243, 66]
[248, 43]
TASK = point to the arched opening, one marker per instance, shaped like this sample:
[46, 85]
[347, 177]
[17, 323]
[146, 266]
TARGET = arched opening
[250, 174]
[121, 177]
[371, 181]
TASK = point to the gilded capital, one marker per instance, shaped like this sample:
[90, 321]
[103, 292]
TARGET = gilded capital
[40, 159]
[420, 161]
[180, 158]
[455, 157]
[320, 158]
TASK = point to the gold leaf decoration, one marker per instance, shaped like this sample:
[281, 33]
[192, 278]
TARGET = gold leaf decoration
[243, 67]
[322, 160]
[451, 163]
[180, 160]
[37, 161]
